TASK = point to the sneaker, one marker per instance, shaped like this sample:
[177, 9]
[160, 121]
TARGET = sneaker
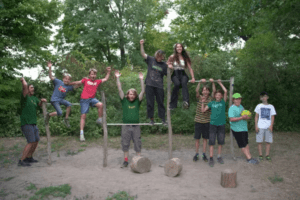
[185, 105]
[211, 162]
[268, 158]
[196, 157]
[164, 123]
[82, 139]
[261, 158]
[151, 122]
[47, 118]
[66, 121]
[125, 164]
[253, 161]
[204, 158]
[30, 160]
[99, 121]
[220, 160]
[23, 164]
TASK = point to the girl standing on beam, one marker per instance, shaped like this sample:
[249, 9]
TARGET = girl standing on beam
[179, 61]
[131, 106]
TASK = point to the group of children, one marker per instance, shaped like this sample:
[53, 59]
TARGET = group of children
[210, 114]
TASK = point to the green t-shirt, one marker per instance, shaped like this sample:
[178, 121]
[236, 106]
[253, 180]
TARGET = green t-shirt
[131, 110]
[240, 125]
[29, 105]
[217, 116]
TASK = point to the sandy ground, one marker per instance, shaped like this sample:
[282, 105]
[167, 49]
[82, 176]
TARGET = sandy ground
[89, 180]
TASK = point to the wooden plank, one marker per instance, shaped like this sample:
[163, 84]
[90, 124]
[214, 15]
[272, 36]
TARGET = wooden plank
[48, 134]
[169, 114]
[137, 124]
[74, 104]
[230, 103]
[104, 126]
[214, 81]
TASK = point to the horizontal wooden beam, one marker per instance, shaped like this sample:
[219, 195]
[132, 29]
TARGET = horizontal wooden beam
[207, 81]
[137, 124]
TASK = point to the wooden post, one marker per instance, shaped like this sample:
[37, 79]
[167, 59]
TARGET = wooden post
[140, 164]
[104, 126]
[173, 167]
[48, 134]
[230, 103]
[169, 114]
[228, 178]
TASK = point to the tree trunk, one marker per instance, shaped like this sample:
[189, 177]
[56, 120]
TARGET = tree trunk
[173, 167]
[228, 178]
[140, 164]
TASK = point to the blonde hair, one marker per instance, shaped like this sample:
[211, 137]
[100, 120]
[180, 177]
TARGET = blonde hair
[66, 74]
[92, 70]
[133, 91]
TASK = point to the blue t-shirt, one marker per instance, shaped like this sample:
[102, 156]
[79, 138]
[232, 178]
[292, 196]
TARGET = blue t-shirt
[237, 126]
[217, 116]
[60, 90]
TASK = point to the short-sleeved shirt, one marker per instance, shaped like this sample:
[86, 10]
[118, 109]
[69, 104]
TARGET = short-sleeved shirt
[237, 126]
[60, 90]
[217, 116]
[265, 112]
[200, 116]
[131, 110]
[29, 105]
[156, 72]
[89, 88]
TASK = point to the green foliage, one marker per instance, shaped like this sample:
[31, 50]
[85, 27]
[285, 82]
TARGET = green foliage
[55, 191]
[31, 187]
[275, 178]
[121, 195]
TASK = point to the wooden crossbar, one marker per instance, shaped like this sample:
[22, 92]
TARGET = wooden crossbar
[73, 104]
[137, 124]
[207, 81]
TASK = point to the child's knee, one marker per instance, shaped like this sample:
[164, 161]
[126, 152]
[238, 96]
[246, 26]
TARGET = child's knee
[83, 116]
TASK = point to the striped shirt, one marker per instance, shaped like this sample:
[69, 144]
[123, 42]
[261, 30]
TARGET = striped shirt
[203, 117]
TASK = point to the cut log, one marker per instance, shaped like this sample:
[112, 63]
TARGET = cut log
[173, 167]
[228, 178]
[140, 164]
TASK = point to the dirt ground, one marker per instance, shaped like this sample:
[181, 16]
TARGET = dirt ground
[84, 172]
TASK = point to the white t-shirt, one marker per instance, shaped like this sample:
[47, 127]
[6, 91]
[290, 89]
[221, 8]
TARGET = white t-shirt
[265, 112]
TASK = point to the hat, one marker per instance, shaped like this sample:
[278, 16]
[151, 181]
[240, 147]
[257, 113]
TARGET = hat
[236, 96]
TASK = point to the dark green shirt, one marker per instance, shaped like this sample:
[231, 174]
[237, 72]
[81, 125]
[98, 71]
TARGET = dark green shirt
[131, 110]
[29, 105]
[217, 116]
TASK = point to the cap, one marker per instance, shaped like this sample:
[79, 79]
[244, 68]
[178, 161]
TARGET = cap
[237, 96]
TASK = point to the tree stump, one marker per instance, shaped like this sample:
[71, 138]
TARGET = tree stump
[140, 164]
[173, 167]
[228, 178]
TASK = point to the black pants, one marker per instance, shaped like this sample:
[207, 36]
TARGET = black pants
[152, 92]
[179, 77]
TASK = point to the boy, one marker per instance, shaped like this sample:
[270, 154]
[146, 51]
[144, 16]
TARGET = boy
[202, 120]
[28, 123]
[264, 121]
[157, 69]
[238, 125]
[217, 123]
[60, 90]
[131, 105]
[88, 97]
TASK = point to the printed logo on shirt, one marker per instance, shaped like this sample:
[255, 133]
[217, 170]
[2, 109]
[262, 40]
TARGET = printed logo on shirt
[217, 105]
[91, 83]
[265, 113]
[131, 107]
[157, 68]
[33, 102]
[62, 89]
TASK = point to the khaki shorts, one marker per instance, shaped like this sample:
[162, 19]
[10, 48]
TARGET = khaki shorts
[131, 132]
[264, 133]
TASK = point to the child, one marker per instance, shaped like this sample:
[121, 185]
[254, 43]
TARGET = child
[238, 125]
[131, 105]
[179, 61]
[59, 93]
[202, 119]
[264, 121]
[217, 123]
[88, 97]
[157, 69]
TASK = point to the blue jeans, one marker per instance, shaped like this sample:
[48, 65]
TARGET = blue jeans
[86, 103]
[56, 105]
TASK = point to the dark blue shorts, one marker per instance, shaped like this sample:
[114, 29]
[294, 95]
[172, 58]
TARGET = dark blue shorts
[86, 103]
[31, 132]
[56, 105]
[216, 131]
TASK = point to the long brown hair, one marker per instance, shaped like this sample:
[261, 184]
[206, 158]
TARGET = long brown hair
[184, 54]
[134, 92]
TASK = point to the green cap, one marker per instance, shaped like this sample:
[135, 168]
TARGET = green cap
[237, 96]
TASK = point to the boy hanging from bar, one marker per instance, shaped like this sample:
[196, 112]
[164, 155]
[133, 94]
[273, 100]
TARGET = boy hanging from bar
[88, 99]
[131, 105]
[59, 93]
[157, 69]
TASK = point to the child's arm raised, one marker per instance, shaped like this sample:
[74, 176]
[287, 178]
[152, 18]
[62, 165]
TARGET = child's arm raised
[142, 49]
[121, 93]
[224, 89]
[107, 75]
[50, 71]
[213, 87]
[198, 88]
[25, 87]
[142, 86]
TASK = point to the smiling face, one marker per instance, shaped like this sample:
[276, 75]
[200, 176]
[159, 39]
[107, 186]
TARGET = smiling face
[218, 96]
[205, 91]
[178, 48]
[237, 102]
[131, 95]
[30, 90]
[92, 75]
[66, 80]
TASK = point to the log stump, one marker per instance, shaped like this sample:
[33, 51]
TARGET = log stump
[140, 164]
[173, 167]
[228, 178]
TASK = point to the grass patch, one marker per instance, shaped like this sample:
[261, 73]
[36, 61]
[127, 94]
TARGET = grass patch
[55, 191]
[56, 146]
[121, 195]
[31, 187]
[15, 147]
[3, 155]
[3, 193]
[8, 179]
[80, 150]
[71, 153]
[84, 145]
[275, 178]
[2, 148]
